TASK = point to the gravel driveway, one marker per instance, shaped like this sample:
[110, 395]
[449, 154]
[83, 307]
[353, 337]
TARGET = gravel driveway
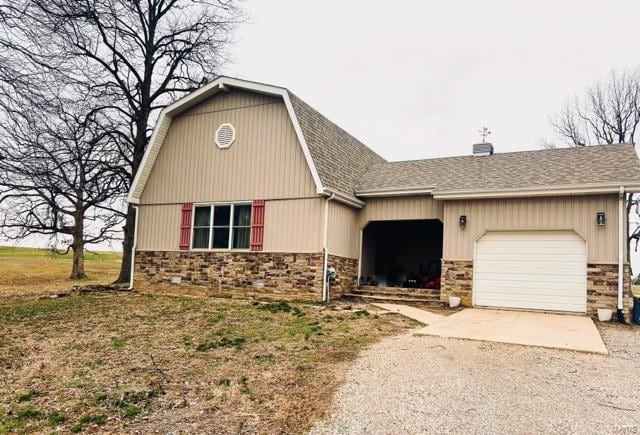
[407, 384]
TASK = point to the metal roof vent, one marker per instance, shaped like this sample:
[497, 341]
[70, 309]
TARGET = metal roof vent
[225, 135]
[483, 149]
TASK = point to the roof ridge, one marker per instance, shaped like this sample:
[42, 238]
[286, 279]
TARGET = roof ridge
[520, 152]
[599, 164]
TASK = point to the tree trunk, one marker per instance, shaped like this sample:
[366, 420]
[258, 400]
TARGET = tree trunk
[77, 269]
[124, 277]
[140, 143]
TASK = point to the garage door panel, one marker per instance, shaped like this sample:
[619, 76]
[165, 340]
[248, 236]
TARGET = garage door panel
[553, 281]
[536, 273]
[515, 267]
[562, 299]
[549, 286]
[532, 235]
[526, 250]
[543, 270]
[518, 293]
[538, 305]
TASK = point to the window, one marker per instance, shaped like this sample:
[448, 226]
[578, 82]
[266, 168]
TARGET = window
[241, 226]
[201, 219]
[221, 226]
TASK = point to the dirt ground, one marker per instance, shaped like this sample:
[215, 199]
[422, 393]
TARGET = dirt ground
[140, 363]
[409, 384]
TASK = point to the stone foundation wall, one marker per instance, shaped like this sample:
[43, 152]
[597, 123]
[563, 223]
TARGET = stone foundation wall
[244, 274]
[457, 280]
[347, 275]
[602, 288]
[290, 276]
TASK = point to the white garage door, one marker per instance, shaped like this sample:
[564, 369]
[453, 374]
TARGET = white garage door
[540, 270]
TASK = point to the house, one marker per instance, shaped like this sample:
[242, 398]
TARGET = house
[245, 188]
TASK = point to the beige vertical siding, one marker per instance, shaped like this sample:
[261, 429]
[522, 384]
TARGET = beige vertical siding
[290, 226]
[293, 225]
[264, 162]
[400, 207]
[159, 227]
[343, 237]
[576, 213]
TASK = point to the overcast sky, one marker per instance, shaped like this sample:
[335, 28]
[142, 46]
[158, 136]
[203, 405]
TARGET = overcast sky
[414, 79]
[418, 79]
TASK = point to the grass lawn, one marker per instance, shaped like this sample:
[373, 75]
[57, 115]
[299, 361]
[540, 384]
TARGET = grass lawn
[37, 271]
[134, 362]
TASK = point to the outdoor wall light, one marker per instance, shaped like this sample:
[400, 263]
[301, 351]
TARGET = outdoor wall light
[600, 218]
[462, 222]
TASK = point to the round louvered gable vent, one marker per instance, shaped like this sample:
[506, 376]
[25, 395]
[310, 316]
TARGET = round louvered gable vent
[225, 135]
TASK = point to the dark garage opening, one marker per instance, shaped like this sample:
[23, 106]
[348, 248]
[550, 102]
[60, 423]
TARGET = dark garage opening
[402, 254]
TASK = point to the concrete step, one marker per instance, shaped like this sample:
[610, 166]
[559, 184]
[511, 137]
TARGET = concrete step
[398, 290]
[390, 294]
[395, 298]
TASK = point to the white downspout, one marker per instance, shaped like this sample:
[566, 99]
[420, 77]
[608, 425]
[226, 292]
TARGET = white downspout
[621, 241]
[133, 247]
[360, 256]
[325, 250]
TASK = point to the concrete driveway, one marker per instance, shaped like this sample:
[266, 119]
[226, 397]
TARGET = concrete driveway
[559, 331]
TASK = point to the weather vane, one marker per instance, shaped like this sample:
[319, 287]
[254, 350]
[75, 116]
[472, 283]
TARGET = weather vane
[484, 133]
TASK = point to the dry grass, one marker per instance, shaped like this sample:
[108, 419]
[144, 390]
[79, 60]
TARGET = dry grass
[133, 362]
[36, 271]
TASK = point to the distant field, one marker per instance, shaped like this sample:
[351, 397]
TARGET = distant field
[34, 270]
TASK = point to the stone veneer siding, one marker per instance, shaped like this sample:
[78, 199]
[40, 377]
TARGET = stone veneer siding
[457, 280]
[602, 288]
[244, 274]
[346, 275]
[602, 284]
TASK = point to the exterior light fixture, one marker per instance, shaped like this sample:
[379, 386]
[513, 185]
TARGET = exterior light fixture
[600, 218]
[462, 222]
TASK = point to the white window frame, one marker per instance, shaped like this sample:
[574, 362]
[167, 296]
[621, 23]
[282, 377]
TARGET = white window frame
[212, 206]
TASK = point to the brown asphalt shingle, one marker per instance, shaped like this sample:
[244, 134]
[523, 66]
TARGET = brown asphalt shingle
[340, 158]
[350, 167]
[598, 164]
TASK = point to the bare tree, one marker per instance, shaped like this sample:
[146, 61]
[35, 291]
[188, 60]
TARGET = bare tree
[134, 57]
[608, 112]
[57, 171]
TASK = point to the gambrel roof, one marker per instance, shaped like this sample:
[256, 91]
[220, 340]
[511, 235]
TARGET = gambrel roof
[343, 166]
[336, 159]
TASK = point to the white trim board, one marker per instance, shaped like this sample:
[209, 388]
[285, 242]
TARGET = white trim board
[395, 192]
[219, 84]
[581, 189]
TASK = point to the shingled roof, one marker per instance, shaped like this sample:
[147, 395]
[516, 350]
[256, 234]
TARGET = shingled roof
[593, 165]
[342, 165]
[340, 159]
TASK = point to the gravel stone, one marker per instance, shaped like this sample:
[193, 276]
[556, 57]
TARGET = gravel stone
[407, 384]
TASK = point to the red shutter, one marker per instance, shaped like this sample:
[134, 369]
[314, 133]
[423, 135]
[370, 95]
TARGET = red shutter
[257, 224]
[185, 226]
